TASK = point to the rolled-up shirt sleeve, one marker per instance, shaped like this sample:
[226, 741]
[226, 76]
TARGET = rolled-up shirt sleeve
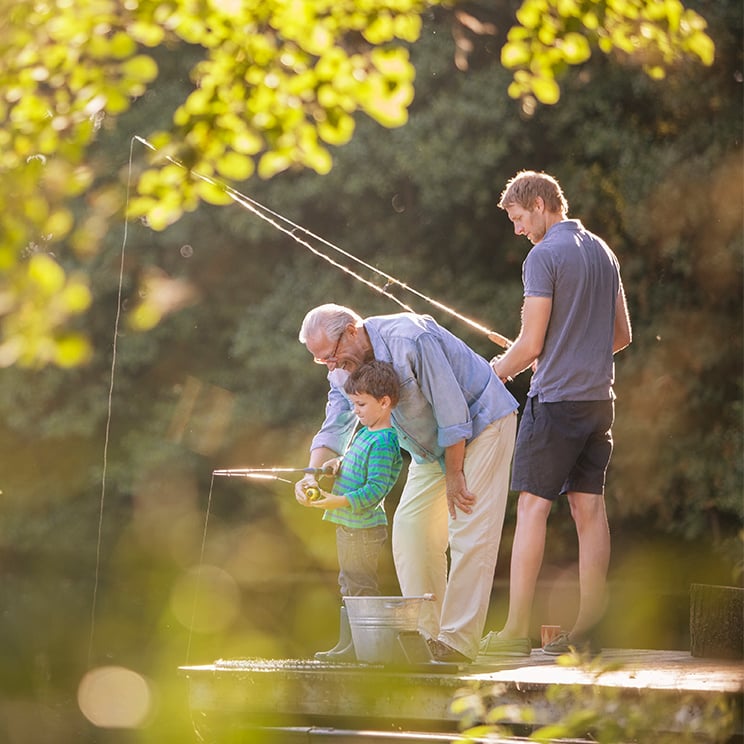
[448, 393]
[442, 389]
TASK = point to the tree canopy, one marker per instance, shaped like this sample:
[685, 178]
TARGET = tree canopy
[273, 85]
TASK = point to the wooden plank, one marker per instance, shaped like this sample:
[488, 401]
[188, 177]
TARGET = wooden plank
[231, 695]
[717, 621]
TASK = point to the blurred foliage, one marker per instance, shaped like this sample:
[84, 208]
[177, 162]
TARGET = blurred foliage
[552, 34]
[597, 709]
[220, 380]
[271, 86]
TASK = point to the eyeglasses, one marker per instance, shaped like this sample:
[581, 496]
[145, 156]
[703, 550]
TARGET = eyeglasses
[332, 357]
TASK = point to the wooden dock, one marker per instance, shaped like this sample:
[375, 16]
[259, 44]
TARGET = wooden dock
[286, 701]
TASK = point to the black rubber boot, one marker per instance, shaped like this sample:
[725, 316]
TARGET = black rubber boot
[344, 649]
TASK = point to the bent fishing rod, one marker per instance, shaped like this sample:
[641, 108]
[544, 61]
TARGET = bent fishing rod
[290, 228]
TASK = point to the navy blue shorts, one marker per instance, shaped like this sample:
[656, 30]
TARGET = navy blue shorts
[562, 447]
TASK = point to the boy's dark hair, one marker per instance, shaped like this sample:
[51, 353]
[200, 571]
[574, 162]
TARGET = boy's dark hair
[374, 378]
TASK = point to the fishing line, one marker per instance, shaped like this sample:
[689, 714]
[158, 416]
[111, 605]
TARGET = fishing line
[270, 217]
[197, 585]
[112, 376]
[258, 474]
[290, 228]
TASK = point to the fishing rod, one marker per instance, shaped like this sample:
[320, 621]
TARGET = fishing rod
[311, 492]
[273, 218]
[269, 472]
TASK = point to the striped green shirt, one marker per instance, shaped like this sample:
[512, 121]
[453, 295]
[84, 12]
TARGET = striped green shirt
[369, 470]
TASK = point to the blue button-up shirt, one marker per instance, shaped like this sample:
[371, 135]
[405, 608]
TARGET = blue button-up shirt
[447, 392]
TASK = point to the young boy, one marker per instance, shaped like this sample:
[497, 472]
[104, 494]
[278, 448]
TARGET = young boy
[364, 476]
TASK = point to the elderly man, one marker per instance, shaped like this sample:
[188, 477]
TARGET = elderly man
[458, 422]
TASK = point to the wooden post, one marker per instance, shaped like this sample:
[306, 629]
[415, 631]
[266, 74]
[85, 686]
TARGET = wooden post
[716, 621]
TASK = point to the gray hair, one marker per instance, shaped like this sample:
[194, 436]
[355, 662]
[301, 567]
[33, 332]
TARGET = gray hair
[330, 318]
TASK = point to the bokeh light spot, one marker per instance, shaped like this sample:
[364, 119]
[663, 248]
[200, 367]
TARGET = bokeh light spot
[114, 697]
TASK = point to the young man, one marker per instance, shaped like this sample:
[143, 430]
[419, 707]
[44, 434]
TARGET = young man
[574, 318]
[368, 471]
[458, 421]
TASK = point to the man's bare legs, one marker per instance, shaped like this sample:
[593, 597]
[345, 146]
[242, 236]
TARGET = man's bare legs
[590, 516]
[526, 560]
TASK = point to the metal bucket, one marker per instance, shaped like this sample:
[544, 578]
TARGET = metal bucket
[377, 621]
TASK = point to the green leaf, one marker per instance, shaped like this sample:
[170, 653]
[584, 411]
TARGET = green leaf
[700, 44]
[46, 273]
[163, 214]
[337, 129]
[72, 350]
[141, 68]
[656, 72]
[394, 64]
[76, 297]
[59, 223]
[116, 101]
[515, 54]
[380, 30]
[213, 193]
[149, 34]
[144, 317]
[408, 27]
[546, 90]
[234, 166]
[272, 163]
[121, 45]
[531, 13]
[575, 48]
[319, 159]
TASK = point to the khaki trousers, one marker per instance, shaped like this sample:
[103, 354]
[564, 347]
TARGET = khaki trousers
[422, 530]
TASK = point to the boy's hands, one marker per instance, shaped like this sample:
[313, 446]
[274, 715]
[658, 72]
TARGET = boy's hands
[326, 501]
[301, 487]
[329, 467]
